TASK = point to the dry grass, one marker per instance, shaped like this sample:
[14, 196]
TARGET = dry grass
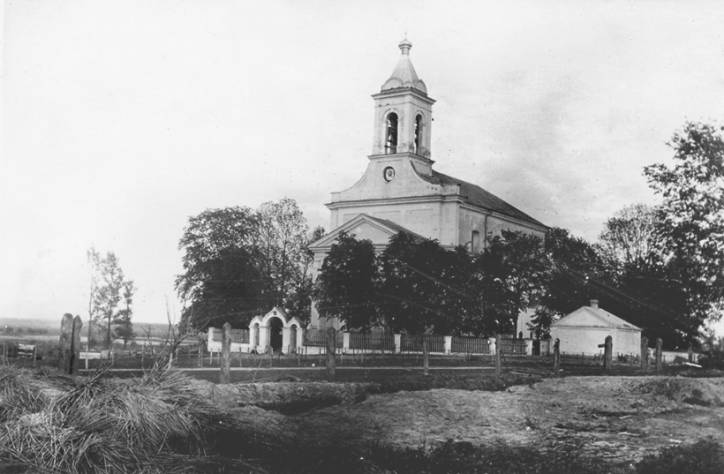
[152, 424]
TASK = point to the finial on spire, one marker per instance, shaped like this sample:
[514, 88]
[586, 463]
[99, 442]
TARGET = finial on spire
[405, 45]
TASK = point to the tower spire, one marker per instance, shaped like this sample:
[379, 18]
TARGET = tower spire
[404, 74]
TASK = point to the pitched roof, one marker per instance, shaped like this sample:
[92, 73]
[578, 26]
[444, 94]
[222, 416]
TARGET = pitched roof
[585, 315]
[390, 226]
[476, 195]
[394, 226]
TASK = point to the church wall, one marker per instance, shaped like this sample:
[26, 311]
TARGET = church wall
[471, 220]
[423, 218]
[496, 226]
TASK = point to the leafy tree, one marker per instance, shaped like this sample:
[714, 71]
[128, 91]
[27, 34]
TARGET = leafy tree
[514, 269]
[298, 304]
[691, 216]
[239, 262]
[577, 271]
[107, 284]
[346, 283]
[221, 279]
[282, 233]
[630, 235]
[123, 326]
[420, 285]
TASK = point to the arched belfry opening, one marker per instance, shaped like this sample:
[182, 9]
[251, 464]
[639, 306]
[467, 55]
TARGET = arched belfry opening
[391, 133]
[418, 134]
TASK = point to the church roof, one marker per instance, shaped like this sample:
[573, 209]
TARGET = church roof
[477, 196]
[404, 75]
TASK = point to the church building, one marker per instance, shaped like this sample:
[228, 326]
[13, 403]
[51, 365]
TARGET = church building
[401, 192]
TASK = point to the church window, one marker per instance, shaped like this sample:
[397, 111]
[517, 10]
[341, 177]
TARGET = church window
[418, 133]
[391, 134]
[475, 244]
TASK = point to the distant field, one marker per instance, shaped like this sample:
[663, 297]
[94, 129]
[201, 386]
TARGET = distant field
[32, 328]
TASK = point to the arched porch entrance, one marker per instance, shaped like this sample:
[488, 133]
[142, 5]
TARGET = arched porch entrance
[275, 334]
[275, 331]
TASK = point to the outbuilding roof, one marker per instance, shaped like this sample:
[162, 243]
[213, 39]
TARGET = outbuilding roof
[593, 316]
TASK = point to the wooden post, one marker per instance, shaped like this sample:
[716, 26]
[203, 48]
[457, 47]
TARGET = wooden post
[65, 342]
[75, 345]
[425, 357]
[608, 353]
[557, 355]
[498, 364]
[691, 353]
[644, 353]
[659, 350]
[201, 338]
[226, 355]
[331, 348]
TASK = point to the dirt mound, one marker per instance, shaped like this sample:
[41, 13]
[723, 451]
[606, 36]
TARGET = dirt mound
[705, 392]
[285, 397]
[618, 418]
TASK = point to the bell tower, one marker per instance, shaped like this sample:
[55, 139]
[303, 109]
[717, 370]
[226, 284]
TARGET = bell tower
[403, 115]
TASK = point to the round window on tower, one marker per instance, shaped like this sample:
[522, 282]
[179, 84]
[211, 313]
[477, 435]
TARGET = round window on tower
[388, 173]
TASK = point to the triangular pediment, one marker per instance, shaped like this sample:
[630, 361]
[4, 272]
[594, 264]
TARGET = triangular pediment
[362, 227]
[587, 316]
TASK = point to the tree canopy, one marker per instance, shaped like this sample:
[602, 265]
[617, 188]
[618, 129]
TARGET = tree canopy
[239, 262]
[691, 217]
[108, 287]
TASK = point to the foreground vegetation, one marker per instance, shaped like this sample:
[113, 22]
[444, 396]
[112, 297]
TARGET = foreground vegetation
[152, 424]
[166, 422]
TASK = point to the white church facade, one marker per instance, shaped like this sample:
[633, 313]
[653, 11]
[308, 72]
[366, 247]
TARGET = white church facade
[401, 192]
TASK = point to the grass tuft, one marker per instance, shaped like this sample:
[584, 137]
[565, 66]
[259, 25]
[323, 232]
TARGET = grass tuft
[152, 424]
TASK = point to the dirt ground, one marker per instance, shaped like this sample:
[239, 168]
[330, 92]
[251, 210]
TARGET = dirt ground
[620, 419]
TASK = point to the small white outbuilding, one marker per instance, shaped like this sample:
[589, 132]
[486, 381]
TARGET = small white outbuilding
[581, 332]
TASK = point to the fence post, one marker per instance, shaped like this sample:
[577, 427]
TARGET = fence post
[398, 343]
[226, 354]
[345, 342]
[557, 355]
[644, 353]
[691, 353]
[498, 365]
[491, 345]
[201, 337]
[331, 348]
[425, 357]
[659, 350]
[448, 344]
[75, 345]
[66, 341]
[608, 353]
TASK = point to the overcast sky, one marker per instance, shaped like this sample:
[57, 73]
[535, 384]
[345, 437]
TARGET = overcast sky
[121, 119]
